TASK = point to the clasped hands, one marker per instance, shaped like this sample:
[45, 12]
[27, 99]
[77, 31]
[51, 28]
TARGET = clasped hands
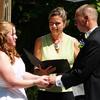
[46, 81]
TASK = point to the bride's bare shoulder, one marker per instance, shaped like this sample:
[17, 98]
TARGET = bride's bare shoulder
[3, 55]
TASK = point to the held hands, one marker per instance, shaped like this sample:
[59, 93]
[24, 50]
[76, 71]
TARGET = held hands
[42, 81]
[45, 81]
[52, 79]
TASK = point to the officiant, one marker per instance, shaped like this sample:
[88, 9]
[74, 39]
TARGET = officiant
[56, 45]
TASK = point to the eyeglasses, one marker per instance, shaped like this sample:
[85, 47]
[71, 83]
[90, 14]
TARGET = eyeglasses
[54, 23]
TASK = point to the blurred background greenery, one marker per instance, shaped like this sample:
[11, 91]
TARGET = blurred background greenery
[31, 20]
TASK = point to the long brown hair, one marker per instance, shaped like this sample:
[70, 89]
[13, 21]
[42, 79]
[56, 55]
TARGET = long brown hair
[5, 27]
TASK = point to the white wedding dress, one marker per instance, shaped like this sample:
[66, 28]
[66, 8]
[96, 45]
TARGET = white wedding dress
[13, 93]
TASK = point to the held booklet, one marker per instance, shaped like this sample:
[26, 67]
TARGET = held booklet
[61, 65]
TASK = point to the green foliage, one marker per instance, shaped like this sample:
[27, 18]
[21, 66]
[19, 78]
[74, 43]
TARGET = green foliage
[98, 6]
[31, 93]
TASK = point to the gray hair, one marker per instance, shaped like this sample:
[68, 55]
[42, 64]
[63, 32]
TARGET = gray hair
[87, 10]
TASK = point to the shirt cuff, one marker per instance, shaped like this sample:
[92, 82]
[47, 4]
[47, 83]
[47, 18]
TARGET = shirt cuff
[58, 81]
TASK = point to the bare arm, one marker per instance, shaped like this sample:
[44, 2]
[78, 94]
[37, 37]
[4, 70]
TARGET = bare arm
[8, 75]
[29, 76]
[37, 48]
[76, 48]
[37, 52]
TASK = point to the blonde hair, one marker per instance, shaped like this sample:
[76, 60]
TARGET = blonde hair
[59, 11]
[5, 27]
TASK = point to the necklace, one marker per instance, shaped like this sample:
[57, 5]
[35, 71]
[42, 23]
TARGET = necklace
[57, 45]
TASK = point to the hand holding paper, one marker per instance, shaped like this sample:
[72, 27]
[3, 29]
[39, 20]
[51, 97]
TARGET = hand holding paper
[40, 71]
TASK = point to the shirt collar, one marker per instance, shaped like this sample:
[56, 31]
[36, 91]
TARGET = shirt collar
[90, 31]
